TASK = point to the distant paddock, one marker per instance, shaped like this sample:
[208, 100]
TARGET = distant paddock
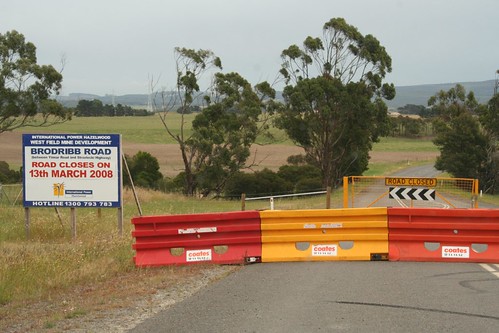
[168, 155]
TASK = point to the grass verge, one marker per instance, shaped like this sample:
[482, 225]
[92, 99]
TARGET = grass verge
[51, 279]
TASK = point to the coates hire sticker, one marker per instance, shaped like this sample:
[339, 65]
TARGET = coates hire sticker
[455, 252]
[325, 250]
[198, 255]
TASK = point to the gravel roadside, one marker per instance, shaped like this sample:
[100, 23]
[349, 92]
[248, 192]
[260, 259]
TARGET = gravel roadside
[115, 305]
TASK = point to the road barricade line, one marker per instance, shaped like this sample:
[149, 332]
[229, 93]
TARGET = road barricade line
[405, 234]
[222, 238]
[324, 235]
[454, 235]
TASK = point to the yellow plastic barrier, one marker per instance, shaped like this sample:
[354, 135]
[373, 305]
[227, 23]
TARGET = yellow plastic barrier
[325, 235]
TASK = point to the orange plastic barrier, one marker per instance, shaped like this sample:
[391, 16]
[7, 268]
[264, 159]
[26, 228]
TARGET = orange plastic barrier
[454, 235]
[324, 235]
[223, 238]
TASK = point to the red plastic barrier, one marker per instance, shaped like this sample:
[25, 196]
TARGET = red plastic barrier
[223, 238]
[454, 235]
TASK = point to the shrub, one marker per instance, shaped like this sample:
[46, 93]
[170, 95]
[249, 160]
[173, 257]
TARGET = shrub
[8, 176]
[265, 182]
[144, 170]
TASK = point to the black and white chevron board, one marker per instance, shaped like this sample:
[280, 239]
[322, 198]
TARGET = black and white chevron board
[412, 193]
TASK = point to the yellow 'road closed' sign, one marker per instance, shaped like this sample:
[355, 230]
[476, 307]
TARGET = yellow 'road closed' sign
[395, 181]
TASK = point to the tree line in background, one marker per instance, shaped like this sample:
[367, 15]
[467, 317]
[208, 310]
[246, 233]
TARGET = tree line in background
[333, 107]
[95, 108]
[412, 121]
[294, 177]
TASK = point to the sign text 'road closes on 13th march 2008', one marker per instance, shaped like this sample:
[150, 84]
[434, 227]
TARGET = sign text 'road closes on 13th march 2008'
[72, 170]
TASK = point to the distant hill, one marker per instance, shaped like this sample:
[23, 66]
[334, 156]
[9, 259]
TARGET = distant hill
[136, 100]
[420, 94]
[417, 95]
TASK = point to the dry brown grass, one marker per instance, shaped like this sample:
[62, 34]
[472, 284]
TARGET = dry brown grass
[52, 283]
[87, 307]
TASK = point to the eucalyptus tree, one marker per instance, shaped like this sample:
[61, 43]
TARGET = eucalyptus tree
[334, 98]
[489, 118]
[225, 130]
[467, 136]
[191, 65]
[232, 116]
[26, 87]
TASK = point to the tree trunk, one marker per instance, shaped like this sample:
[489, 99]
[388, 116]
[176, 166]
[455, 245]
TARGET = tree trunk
[190, 184]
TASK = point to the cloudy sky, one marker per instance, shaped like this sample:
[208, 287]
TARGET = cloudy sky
[113, 47]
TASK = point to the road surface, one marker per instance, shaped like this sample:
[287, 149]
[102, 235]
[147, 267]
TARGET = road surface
[341, 297]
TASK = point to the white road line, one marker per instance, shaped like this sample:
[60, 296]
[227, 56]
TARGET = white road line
[491, 269]
[401, 203]
[488, 268]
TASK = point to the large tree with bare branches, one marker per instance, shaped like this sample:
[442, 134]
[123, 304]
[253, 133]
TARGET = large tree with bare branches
[232, 115]
[334, 98]
[26, 87]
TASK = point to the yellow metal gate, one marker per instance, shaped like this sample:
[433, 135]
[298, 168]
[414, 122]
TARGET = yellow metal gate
[360, 191]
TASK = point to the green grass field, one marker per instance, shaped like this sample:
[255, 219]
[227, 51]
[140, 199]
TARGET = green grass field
[150, 130]
[391, 144]
[146, 129]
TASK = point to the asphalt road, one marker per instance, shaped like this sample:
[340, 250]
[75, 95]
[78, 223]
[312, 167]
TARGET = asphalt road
[341, 297]
[426, 170]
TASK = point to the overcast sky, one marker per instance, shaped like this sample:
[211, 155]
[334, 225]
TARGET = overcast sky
[112, 47]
